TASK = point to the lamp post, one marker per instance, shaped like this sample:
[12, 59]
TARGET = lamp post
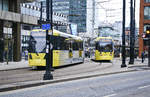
[131, 34]
[134, 29]
[123, 37]
[48, 75]
[51, 33]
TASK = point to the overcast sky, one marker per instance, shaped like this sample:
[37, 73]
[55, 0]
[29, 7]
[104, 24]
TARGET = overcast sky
[113, 8]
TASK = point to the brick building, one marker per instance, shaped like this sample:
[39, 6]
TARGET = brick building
[144, 21]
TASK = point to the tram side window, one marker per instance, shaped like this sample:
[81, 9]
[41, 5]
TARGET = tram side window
[54, 42]
[75, 46]
[63, 43]
[61, 40]
[67, 46]
[96, 45]
[81, 45]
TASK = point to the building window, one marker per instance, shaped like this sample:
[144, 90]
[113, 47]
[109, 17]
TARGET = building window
[147, 1]
[147, 13]
[1, 5]
[4, 5]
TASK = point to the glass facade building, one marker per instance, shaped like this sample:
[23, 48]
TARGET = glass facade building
[74, 9]
[4, 5]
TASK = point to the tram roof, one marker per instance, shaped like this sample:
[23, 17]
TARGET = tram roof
[59, 33]
[98, 38]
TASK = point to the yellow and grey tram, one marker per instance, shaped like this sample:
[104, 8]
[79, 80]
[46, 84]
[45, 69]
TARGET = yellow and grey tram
[67, 49]
[104, 49]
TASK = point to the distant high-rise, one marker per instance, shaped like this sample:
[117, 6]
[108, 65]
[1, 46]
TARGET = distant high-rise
[75, 9]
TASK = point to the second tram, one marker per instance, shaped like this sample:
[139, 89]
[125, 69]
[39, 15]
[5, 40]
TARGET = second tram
[104, 49]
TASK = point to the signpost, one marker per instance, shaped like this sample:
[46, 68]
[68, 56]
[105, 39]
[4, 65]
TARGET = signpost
[46, 26]
[49, 54]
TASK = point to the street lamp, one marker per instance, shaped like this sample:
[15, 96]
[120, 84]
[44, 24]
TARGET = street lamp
[49, 52]
[131, 34]
[123, 37]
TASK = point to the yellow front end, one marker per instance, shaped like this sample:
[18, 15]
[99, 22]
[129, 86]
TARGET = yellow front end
[103, 55]
[39, 59]
[36, 59]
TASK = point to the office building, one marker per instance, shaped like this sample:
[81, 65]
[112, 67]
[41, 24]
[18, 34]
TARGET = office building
[10, 29]
[74, 9]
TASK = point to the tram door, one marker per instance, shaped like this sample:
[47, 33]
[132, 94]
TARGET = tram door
[70, 50]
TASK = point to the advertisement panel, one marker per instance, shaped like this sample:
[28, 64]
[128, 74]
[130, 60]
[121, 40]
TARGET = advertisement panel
[73, 29]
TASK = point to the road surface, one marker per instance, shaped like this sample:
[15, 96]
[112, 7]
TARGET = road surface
[130, 84]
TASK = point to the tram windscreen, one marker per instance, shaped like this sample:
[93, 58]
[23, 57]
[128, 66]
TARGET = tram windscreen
[104, 46]
[37, 42]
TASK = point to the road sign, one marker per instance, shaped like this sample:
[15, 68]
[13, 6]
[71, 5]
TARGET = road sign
[46, 26]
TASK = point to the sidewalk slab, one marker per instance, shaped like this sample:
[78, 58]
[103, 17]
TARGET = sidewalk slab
[138, 63]
[24, 64]
[14, 65]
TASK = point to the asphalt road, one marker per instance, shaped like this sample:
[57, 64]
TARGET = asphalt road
[131, 84]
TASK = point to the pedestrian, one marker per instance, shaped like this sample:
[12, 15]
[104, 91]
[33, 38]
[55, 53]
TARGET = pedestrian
[26, 54]
[143, 56]
[136, 54]
[88, 53]
[120, 55]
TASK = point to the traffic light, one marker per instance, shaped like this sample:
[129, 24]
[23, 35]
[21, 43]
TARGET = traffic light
[147, 35]
[148, 43]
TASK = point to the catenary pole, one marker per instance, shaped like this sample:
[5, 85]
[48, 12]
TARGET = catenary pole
[48, 75]
[123, 36]
[131, 34]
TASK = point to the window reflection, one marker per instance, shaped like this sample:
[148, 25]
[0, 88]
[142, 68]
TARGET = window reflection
[4, 5]
[147, 13]
[104, 46]
[146, 1]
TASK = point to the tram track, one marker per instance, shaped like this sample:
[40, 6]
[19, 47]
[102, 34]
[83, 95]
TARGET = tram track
[23, 75]
[83, 70]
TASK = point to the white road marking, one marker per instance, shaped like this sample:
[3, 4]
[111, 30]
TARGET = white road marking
[143, 87]
[110, 95]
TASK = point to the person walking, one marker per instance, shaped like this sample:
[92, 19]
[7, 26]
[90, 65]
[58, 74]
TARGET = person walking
[143, 56]
[26, 54]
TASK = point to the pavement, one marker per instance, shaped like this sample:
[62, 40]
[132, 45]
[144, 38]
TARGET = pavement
[14, 65]
[105, 70]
